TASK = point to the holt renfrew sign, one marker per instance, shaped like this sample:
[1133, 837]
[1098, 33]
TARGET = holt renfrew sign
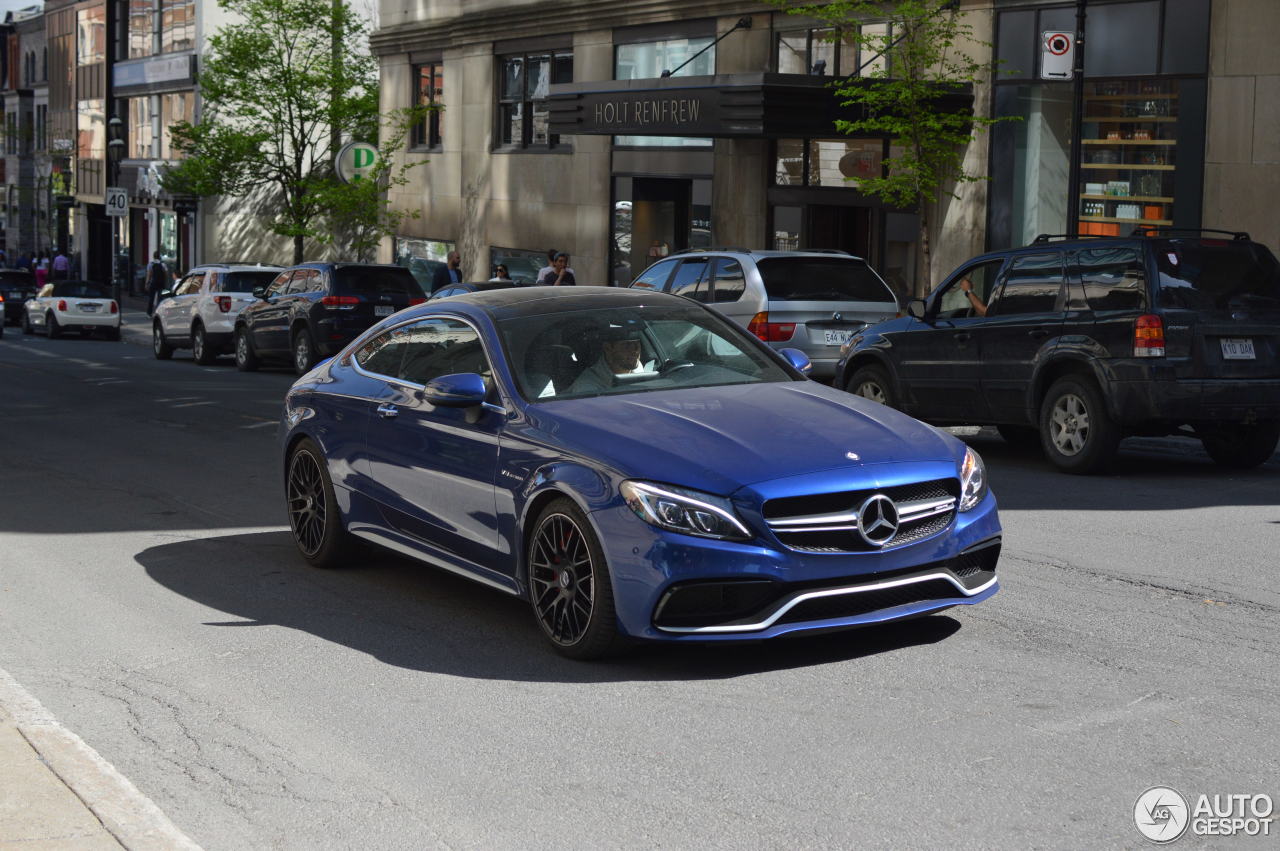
[646, 110]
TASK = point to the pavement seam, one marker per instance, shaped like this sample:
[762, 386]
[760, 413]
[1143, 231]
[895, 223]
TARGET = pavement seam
[130, 817]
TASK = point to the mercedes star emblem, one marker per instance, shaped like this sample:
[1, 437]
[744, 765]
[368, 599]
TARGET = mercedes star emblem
[878, 520]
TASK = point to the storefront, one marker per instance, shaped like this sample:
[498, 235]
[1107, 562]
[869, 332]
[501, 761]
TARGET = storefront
[1141, 147]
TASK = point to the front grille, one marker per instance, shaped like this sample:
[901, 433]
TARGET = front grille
[827, 523]
[865, 602]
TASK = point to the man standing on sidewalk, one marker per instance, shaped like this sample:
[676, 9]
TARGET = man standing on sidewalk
[61, 267]
[157, 275]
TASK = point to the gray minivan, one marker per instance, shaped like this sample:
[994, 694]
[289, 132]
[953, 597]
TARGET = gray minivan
[814, 301]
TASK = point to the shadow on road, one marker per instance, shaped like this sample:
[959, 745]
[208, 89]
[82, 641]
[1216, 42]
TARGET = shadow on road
[416, 617]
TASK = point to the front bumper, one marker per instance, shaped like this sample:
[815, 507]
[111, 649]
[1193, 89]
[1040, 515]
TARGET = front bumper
[759, 589]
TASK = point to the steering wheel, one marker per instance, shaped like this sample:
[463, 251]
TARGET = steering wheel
[671, 366]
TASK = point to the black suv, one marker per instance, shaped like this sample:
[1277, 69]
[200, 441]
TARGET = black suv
[1081, 342]
[16, 286]
[311, 311]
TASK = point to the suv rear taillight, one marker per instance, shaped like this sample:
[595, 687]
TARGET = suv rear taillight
[223, 302]
[62, 304]
[340, 302]
[770, 332]
[115, 308]
[1148, 337]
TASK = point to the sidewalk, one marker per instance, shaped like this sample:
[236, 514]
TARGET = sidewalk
[57, 793]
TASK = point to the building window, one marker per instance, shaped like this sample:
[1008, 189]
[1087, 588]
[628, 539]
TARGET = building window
[91, 35]
[177, 25]
[649, 60]
[827, 162]
[11, 133]
[91, 129]
[523, 116]
[141, 135]
[423, 258]
[142, 28]
[175, 107]
[820, 52]
[430, 93]
[42, 122]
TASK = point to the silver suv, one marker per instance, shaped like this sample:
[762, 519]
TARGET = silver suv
[814, 301]
[200, 312]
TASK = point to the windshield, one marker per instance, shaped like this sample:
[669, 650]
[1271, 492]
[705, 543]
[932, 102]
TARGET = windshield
[575, 354]
[245, 282]
[833, 278]
[1208, 274]
[80, 289]
[377, 280]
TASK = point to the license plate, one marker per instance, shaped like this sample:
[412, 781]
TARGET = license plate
[836, 338]
[383, 310]
[89, 308]
[1237, 348]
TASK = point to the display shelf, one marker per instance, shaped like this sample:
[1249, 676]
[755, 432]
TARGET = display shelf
[1134, 96]
[1113, 220]
[1131, 119]
[1128, 166]
[1150, 199]
[1129, 141]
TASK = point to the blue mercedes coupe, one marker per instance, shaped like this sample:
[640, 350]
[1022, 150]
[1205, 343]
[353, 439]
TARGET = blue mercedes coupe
[634, 466]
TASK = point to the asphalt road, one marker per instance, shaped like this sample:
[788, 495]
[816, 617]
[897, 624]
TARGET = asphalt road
[152, 600]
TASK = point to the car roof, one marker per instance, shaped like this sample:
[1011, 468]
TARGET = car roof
[239, 267]
[762, 253]
[513, 302]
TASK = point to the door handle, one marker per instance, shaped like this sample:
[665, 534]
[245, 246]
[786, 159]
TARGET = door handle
[388, 411]
[963, 337]
[1037, 333]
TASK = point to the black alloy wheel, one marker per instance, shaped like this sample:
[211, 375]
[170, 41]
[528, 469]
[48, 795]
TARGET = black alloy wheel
[159, 346]
[51, 326]
[872, 382]
[304, 352]
[569, 583]
[313, 509]
[246, 358]
[200, 347]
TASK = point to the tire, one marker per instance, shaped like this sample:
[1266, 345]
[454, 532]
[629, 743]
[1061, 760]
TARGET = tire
[51, 327]
[200, 350]
[1076, 432]
[1020, 436]
[246, 359]
[313, 509]
[304, 351]
[159, 346]
[569, 585]
[872, 382]
[1241, 447]
[113, 334]
[27, 327]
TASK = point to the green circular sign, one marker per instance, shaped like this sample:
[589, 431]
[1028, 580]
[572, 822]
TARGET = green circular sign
[355, 161]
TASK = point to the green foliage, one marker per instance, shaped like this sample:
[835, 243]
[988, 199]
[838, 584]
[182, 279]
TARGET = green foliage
[278, 88]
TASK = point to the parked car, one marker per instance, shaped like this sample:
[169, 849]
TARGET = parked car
[813, 301]
[311, 311]
[633, 465]
[1077, 343]
[82, 306]
[200, 312]
[476, 287]
[16, 286]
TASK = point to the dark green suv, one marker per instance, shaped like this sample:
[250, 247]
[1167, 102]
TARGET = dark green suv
[1080, 342]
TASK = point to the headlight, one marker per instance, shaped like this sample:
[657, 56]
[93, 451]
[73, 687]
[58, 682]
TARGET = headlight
[973, 480]
[687, 511]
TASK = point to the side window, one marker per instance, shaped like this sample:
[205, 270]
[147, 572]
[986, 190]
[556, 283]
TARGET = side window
[213, 282]
[384, 353]
[730, 283]
[1032, 285]
[436, 347]
[190, 284]
[691, 280]
[303, 279]
[655, 278]
[280, 284]
[955, 304]
[1113, 278]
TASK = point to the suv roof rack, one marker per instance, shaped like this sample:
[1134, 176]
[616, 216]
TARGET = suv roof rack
[825, 251]
[707, 250]
[1149, 230]
[1046, 237]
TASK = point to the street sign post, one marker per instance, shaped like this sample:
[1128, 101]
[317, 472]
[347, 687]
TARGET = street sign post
[1057, 56]
[117, 201]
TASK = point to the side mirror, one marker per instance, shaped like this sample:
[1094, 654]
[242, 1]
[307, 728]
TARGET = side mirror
[456, 391]
[165, 294]
[916, 308]
[259, 292]
[797, 359]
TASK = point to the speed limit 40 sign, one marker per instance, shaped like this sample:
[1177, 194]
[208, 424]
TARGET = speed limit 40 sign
[1057, 55]
[117, 201]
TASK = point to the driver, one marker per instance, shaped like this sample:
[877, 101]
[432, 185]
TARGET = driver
[620, 355]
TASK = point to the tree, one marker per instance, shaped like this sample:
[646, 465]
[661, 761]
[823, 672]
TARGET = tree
[906, 97]
[275, 86]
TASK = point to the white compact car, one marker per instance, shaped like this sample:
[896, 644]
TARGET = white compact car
[72, 306]
[200, 312]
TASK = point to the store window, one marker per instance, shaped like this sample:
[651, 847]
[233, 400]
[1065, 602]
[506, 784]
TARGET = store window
[168, 241]
[648, 60]
[422, 257]
[819, 51]
[174, 107]
[523, 115]
[177, 25]
[141, 28]
[429, 92]
[522, 264]
[827, 162]
[654, 217]
[1033, 163]
[141, 135]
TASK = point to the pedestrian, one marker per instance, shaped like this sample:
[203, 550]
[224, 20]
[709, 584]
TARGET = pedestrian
[157, 277]
[551, 262]
[61, 267]
[560, 274]
[500, 274]
[24, 262]
[450, 273]
[42, 270]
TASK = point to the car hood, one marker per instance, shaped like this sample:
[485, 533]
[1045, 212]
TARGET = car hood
[721, 438]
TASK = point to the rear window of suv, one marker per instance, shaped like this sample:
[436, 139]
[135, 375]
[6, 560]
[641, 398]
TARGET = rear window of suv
[377, 280]
[1206, 274]
[245, 282]
[822, 279]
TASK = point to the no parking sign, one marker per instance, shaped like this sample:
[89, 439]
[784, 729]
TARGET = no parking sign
[1057, 55]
